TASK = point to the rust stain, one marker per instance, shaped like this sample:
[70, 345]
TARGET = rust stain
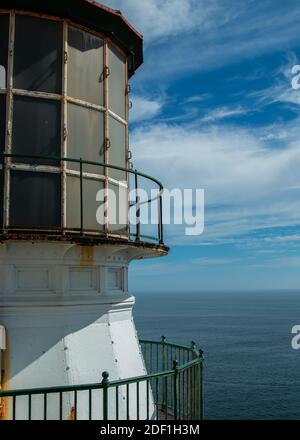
[4, 385]
[86, 255]
[72, 414]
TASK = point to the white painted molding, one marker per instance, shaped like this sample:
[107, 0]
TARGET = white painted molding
[2, 337]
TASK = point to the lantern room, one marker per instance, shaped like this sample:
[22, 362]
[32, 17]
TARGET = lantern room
[64, 107]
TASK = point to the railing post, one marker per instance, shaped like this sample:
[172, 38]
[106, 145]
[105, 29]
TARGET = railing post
[138, 209]
[105, 383]
[160, 226]
[201, 396]
[175, 388]
[164, 367]
[81, 196]
[3, 159]
[194, 385]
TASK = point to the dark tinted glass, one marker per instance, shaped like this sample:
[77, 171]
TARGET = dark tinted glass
[2, 122]
[4, 26]
[36, 129]
[38, 54]
[35, 200]
[1, 197]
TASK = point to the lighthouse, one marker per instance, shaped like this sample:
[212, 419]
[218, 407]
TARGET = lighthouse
[65, 306]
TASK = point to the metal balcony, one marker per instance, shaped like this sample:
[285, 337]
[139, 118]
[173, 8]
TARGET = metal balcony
[34, 164]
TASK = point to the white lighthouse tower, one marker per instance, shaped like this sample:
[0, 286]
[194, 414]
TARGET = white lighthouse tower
[65, 308]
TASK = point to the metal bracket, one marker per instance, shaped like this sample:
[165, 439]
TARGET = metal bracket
[65, 133]
[105, 74]
[107, 143]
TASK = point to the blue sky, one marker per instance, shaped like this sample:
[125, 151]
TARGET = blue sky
[213, 108]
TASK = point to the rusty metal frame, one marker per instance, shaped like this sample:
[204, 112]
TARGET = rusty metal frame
[9, 118]
[87, 233]
[117, 117]
[10, 92]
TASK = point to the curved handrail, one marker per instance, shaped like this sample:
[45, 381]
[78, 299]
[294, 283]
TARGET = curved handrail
[136, 173]
[86, 162]
[119, 382]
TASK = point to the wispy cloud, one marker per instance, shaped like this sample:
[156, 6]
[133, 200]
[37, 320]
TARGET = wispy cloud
[158, 19]
[214, 261]
[144, 108]
[220, 113]
[197, 98]
[248, 183]
[281, 91]
[199, 35]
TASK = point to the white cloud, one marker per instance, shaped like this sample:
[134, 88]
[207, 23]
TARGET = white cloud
[223, 113]
[197, 98]
[157, 19]
[144, 108]
[281, 91]
[203, 35]
[214, 261]
[248, 185]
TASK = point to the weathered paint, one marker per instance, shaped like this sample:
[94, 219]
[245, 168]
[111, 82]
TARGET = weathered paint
[64, 169]
[72, 414]
[4, 414]
[86, 255]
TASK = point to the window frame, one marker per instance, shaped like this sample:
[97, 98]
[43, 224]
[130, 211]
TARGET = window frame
[64, 169]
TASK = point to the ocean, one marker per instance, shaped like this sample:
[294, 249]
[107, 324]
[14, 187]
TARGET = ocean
[251, 370]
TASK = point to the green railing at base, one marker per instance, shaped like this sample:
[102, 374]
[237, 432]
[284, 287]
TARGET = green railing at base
[172, 390]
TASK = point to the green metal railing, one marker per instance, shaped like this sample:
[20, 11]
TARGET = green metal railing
[172, 390]
[137, 235]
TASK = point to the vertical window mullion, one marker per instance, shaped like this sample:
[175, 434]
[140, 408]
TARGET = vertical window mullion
[64, 123]
[9, 120]
[127, 141]
[106, 132]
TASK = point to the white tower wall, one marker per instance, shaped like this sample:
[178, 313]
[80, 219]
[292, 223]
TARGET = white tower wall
[67, 315]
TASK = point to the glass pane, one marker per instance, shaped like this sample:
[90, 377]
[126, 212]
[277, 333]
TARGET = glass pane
[2, 122]
[85, 66]
[36, 129]
[38, 54]
[118, 208]
[117, 82]
[1, 196]
[85, 137]
[90, 205]
[4, 31]
[35, 200]
[117, 151]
